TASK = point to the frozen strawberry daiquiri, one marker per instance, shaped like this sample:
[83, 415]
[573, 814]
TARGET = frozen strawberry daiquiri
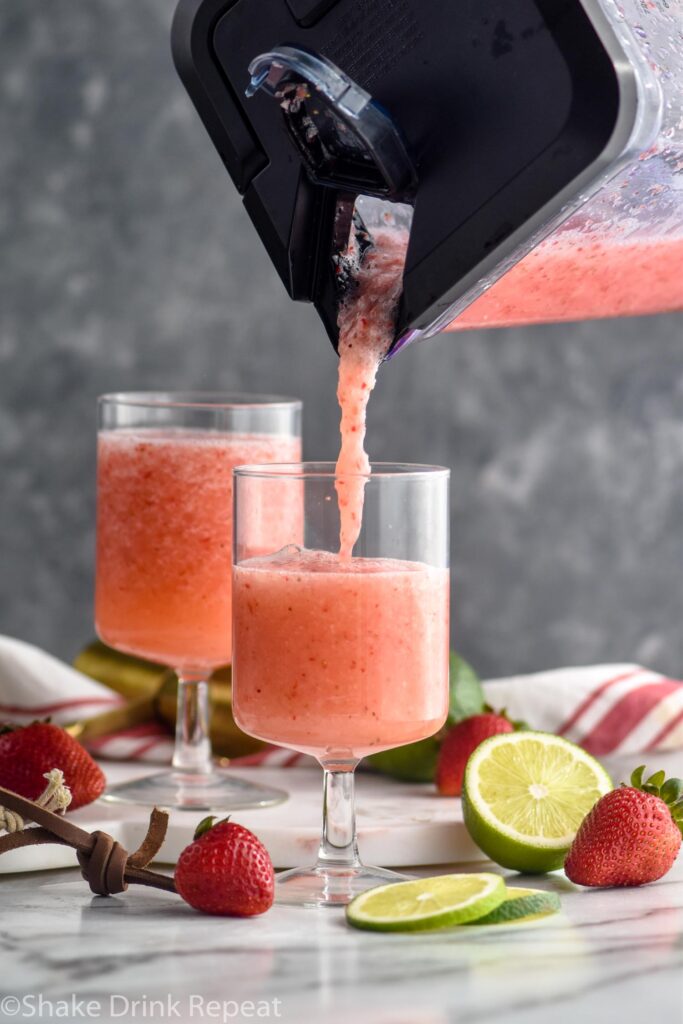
[164, 556]
[340, 658]
[164, 539]
[338, 655]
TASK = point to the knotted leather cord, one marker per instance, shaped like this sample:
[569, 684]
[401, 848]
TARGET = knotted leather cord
[106, 866]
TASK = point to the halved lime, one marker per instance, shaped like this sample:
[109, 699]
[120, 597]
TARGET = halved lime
[426, 903]
[525, 795]
[521, 905]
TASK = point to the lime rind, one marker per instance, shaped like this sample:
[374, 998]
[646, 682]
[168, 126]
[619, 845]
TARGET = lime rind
[521, 906]
[427, 903]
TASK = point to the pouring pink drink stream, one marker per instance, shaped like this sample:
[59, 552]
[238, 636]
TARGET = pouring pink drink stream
[338, 655]
[366, 331]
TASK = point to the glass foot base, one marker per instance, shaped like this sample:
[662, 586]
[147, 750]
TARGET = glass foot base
[216, 792]
[329, 886]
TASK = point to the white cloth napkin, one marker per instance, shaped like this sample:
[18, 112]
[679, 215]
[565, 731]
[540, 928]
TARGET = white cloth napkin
[608, 709]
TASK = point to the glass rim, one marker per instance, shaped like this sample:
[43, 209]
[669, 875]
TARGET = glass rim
[328, 471]
[227, 400]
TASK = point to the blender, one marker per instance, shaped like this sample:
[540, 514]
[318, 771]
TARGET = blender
[534, 148]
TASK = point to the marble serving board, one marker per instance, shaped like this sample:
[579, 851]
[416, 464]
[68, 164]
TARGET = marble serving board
[399, 824]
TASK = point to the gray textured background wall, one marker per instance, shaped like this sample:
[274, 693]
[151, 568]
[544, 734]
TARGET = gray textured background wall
[127, 262]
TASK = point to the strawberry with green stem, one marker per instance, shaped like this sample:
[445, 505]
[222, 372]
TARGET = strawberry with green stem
[226, 870]
[632, 835]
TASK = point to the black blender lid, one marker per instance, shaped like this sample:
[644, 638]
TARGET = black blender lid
[489, 112]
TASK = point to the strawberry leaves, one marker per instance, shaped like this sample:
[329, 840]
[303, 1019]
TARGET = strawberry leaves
[206, 824]
[466, 692]
[668, 790]
[672, 791]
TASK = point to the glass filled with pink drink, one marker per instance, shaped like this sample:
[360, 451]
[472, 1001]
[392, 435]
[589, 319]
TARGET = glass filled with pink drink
[164, 555]
[340, 654]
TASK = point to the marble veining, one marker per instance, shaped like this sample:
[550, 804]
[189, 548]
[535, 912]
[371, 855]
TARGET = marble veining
[611, 956]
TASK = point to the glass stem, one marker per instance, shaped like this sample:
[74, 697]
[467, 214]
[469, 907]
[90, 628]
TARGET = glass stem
[192, 754]
[339, 846]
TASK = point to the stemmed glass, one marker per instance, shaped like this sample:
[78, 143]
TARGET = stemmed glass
[340, 658]
[164, 557]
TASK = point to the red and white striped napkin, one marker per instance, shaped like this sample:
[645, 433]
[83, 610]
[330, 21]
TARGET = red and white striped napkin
[608, 709]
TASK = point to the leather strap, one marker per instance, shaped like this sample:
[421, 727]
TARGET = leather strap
[106, 866]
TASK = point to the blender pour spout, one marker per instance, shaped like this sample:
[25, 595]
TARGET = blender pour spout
[350, 147]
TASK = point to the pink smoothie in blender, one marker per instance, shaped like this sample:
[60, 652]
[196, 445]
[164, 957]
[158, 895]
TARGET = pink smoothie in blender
[572, 276]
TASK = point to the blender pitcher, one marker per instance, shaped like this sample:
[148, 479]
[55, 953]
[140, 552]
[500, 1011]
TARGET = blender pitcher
[620, 253]
[534, 148]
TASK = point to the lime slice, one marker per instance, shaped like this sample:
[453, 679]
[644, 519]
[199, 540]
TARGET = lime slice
[426, 903]
[521, 905]
[525, 795]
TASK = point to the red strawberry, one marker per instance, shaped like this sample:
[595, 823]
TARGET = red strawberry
[631, 836]
[226, 870]
[461, 741]
[26, 753]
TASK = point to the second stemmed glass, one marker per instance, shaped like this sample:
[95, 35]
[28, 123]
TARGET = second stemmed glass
[335, 657]
[164, 557]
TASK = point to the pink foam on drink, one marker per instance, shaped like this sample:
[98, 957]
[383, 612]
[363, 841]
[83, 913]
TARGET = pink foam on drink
[164, 539]
[340, 658]
[572, 276]
[367, 322]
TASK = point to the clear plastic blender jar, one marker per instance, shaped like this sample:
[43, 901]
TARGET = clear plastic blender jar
[619, 252]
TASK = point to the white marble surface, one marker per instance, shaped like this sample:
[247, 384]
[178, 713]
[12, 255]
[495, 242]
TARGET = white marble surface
[612, 957]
